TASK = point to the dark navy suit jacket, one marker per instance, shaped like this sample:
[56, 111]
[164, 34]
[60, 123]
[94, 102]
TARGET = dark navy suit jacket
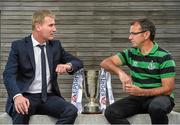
[20, 68]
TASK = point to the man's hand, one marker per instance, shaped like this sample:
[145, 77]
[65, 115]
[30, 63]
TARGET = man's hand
[21, 104]
[125, 79]
[127, 85]
[63, 68]
[133, 90]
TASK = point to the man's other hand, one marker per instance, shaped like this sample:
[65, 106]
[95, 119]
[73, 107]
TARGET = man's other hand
[21, 104]
[63, 68]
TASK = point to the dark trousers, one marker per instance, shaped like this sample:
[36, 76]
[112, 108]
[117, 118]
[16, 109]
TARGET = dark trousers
[55, 106]
[157, 107]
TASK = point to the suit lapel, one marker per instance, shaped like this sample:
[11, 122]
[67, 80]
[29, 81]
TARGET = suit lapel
[49, 51]
[29, 48]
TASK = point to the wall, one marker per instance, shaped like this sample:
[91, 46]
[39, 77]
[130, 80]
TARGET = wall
[92, 30]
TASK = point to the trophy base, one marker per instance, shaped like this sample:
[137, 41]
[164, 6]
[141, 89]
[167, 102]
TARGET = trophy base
[91, 108]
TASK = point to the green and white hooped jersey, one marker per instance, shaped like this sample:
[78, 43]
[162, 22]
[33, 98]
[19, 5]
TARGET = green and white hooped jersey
[147, 70]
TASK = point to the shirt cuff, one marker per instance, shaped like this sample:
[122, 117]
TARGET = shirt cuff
[17, 95]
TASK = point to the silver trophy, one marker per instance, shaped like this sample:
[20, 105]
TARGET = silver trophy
[91, 87]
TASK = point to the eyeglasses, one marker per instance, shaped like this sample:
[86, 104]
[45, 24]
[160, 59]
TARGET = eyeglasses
[135, 33]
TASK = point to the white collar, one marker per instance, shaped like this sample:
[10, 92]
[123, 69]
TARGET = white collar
[35, 42]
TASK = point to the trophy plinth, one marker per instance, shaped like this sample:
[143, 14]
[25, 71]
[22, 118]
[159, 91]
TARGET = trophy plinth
[91, 86]
[91, 108]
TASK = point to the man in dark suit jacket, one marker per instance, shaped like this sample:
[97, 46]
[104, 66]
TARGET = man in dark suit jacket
[23, 75]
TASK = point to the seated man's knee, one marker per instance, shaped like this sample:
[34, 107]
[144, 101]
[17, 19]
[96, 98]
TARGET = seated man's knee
[111, 114]
[68, 116]
[107, 112]
[71, 110]
[160, 104]
[156, 109]
[115, 117]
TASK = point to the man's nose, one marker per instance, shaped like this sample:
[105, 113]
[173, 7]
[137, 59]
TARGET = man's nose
[54, 29]
[130, 36]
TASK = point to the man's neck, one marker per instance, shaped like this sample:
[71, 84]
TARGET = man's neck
[38, 37]
[147, 47]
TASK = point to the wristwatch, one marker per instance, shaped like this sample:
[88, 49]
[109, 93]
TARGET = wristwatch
[70, 64]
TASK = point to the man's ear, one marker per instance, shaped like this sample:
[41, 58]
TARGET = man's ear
[146, 35]
[38, 26]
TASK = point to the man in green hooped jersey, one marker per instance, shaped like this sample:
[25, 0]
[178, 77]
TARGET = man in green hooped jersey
[150, 81]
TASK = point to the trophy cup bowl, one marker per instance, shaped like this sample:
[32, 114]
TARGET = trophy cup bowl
[91, 87]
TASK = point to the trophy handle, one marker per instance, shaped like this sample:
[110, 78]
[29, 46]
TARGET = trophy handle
[84, 83]
[98, 87]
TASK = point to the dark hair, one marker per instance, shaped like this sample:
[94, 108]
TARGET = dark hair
[146, 25]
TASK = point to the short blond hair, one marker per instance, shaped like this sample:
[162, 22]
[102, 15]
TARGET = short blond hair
[38, 16]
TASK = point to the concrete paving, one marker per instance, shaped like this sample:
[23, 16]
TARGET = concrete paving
[174, 118]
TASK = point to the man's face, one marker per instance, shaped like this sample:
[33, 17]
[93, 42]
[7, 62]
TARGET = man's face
[48, 28]
[136, 36]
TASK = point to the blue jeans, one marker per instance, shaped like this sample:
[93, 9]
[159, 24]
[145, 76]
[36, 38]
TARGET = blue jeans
[156, 106]
[55, 106]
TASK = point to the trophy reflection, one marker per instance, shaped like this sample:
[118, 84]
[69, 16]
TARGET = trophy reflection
[91, 87]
